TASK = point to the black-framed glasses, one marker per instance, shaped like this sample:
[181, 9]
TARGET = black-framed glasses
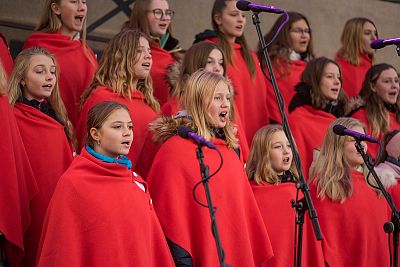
[301, 31]
[159, 13]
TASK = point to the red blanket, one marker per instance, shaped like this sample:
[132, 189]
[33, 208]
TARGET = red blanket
[373, 149]
[279, 218]
[5, 56]
[162, 59]
[308, 126]
[18, 185]
[353, 76]
[49, 155]
[286, 84]
[100, 217]
[353, 230]
[141, 115]
[172, 177]
[76, 70]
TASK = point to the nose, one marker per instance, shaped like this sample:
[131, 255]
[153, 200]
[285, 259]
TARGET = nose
[225, 102]
[50, 76]
[127, 131]
[81, 5]
[217, 68]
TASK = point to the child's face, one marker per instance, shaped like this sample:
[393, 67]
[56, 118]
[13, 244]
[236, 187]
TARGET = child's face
[115, 135]
[40, 78]
[350, 152]
[280, 152]
[144, 60]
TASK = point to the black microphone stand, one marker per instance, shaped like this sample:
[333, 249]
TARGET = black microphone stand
[395, 213]
[302, 185]
[398, 49]
[204, 169]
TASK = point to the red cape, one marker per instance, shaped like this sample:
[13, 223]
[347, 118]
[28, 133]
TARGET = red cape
[5, 56]
[250, 94]
[99, 216]
[172, 177]
[286, 84]
[353, 76]
[162, 59]
[353, 230]
[18, 185]
[373, 149]
[279, 218]
[48, 162]
[141, 115]
[76, 70]
[308, 126]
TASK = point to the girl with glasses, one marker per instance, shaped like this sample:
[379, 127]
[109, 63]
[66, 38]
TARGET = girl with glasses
[289, 53]
[153, 18]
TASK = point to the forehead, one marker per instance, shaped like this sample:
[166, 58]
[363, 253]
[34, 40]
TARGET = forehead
[119, 114]
[143, 42]
[215, 53]
[161, 4]
[331, 68]
[222, 88]
[36, 60]
[368, 26]
[299, 24]
[388, 73]
[230, 6]
[278, 136]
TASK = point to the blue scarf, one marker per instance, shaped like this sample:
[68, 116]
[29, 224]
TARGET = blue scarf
[124, 161]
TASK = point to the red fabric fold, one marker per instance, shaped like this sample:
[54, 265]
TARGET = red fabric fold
[76, 70]
[18, 185]
[141, 115]
[353, 230]
[49, 155]
[99, 216]
[5, 56]
[175, 172]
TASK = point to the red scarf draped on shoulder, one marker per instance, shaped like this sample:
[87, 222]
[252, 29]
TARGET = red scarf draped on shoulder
[5, 56]
[99, 216]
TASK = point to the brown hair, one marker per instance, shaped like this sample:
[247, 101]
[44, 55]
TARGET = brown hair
[196, 58]
[218, 8]
[385, 140]
[279, 49]
[15, 89]
[258, 167]
[377, 114]
[352, 40]
[116, 69]
[97, 115]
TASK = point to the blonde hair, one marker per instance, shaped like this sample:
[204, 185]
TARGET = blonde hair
[330, 171]
[116, 69]
[352, 40]
[197, 98]
[3, 81]
[258, 167]
[15, 89]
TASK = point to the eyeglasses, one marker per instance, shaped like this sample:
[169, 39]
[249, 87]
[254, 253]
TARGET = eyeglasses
[301, 31]
[159, 13]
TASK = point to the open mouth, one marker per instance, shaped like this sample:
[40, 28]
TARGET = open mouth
[223, 115]
[393, 94]
[147, 65]
[47, 86]
[126, 143]
[79, 18]
[286, 160]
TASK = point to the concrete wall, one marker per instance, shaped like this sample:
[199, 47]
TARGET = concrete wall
[327, 19]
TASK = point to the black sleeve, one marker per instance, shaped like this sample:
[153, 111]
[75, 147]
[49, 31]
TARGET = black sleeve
[181, 257]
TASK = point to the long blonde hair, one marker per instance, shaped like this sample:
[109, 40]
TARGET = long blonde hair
[116, 69]
[258, 167]
[352, 40]
[197, 98]
[15, 88]
[330, 171]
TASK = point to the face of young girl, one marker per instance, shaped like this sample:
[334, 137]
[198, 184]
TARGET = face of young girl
[387, 86]
[115, 135]
[72, 14]
[215, 62]
[231, 21]
[40, 78]
[330, 84]
[144, 60]
[369, 34]
[280, 153]
[350, 152]
[220, 106]
[159, 17]
[299, 36]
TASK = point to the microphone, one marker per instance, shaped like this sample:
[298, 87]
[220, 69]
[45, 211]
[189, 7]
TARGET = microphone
[186, 133]
[341, 130]
[378, 44]
[246, 6]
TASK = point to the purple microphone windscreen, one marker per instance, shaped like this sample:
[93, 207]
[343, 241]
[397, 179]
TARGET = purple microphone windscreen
[339, 129]
[243, 5]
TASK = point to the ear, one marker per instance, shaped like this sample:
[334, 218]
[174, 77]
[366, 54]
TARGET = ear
[95, 134]
[56, 8]
[218, 19]
[373, 89]
[22, 83]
